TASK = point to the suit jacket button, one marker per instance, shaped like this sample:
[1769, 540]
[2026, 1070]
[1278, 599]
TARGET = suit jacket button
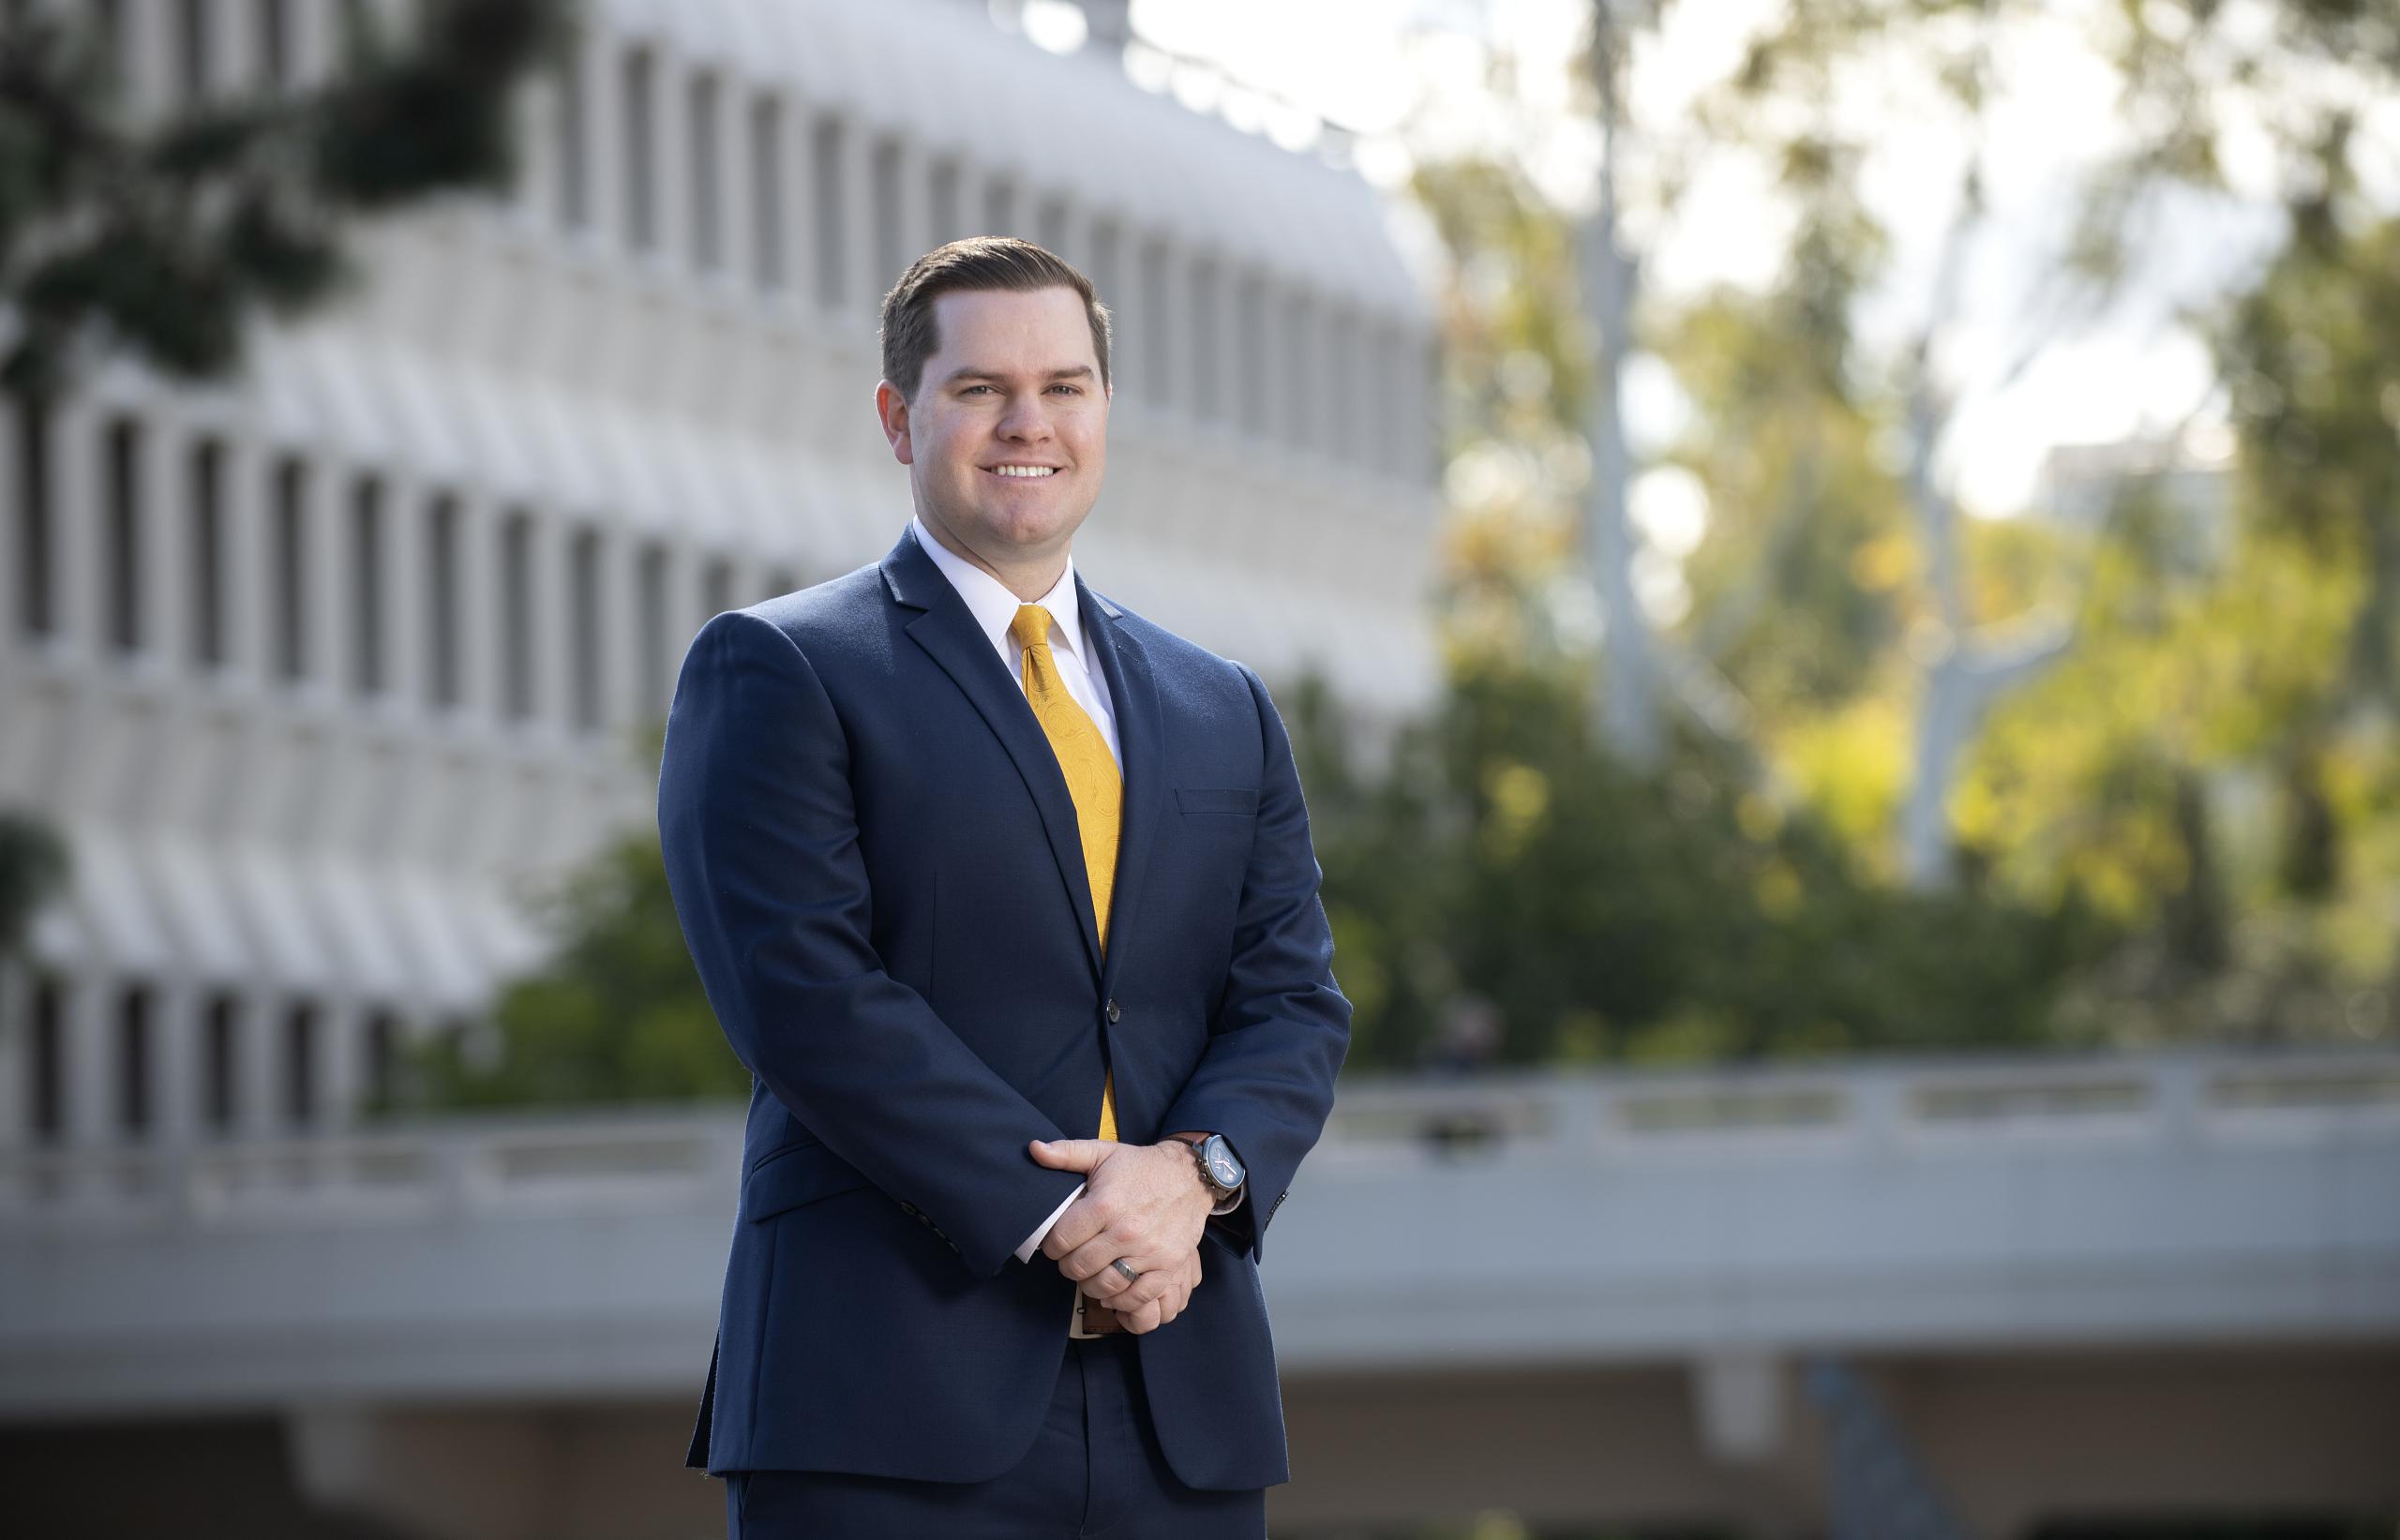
[1113, 1013]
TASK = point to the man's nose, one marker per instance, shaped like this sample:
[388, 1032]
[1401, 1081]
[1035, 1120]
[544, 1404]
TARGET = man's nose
[1025, 419]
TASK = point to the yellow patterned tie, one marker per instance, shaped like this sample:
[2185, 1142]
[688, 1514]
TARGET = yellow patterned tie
[1093, 781]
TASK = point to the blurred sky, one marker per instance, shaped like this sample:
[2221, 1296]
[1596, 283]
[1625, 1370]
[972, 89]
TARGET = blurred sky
[1411, 76]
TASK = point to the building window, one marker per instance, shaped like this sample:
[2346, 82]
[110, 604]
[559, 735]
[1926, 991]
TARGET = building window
[583, 621]
[767, 192]
[825, 179]
[291, 584]
[208, 553]
[358, 29]
[1394, 436]
[121, 482]
[1414, 380]
[716, 586]
[943, 198]
[1107, 256]
[708, 244]
[575, 165]
[1207, 345]
[655, 686]
[517, 617]
[444, 685]
[1000, 207]
[1249, 367]
[46, 1073]
[781, 581]
[1300, 374]
[194, 26]
[367, 673]
[133, 1043]
[1334, 396]
[36, 535]
[1157, 358]
[641, 211]
[884, 182]
[1368, 426]
[109, 32]
[381, 1082]
[220, 1066]
[1050, 226]
[274, 44]
[300, 1065]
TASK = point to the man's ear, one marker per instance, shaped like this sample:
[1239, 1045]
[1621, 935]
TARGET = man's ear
[892, 409]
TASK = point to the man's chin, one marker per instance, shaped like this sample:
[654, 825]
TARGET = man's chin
[1030, 532]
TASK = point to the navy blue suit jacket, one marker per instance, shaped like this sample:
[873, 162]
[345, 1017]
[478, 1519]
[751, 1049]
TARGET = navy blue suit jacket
[874, 859]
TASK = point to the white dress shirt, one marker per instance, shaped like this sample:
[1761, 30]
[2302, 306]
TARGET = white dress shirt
[994, 609]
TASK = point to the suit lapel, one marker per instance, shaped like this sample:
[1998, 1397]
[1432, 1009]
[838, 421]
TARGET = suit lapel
[947, 631]
[1133, 692]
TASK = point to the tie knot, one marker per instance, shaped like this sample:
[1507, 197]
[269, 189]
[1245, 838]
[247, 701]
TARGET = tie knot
[1031, 627]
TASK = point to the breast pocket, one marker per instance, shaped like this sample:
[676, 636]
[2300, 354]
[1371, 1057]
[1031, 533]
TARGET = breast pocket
[1212, 802]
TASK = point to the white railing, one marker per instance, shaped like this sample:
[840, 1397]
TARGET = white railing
[681, 1159]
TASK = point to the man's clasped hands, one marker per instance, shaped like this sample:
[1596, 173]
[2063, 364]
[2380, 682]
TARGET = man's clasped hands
[1142, 1203]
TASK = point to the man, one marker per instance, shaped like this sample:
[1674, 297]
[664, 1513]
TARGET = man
[1005, 896]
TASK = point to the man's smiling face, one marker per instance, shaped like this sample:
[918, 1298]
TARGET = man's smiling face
[1007, 435]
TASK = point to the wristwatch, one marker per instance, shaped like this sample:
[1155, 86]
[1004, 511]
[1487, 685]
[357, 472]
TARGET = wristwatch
[1221, 1170]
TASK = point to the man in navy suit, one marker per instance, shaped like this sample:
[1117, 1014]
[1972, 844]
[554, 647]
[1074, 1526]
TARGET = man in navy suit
[1006, 898]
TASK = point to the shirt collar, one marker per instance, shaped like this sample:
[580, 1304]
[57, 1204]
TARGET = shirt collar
[993, 606]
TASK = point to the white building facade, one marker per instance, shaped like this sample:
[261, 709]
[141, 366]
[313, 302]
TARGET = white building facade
[320, 672]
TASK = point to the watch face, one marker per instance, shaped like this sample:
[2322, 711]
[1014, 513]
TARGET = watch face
[1222, 1165]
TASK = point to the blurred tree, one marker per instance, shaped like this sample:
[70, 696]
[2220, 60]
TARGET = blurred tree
[2210, 668]
[1507, 854]
[161, 236]
[617, 1014]
[2106, 779]
[2194, 77]
[2316, 372]
[32, 868]
[2317, 404]
[1842, 596]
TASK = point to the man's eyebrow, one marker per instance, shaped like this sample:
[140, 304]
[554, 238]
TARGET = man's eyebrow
[1073, 371]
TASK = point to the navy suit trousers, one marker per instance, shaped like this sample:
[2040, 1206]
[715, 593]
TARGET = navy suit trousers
[1095, 1472]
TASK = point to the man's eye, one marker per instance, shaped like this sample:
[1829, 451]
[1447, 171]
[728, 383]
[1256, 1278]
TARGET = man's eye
[1071, 390]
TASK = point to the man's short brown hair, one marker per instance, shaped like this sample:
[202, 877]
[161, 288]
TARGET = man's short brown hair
[977, 263]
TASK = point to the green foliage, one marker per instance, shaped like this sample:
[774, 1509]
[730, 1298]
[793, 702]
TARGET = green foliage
[2214, 768]
[616, 1015]
[1501, 855]
[2316, 381]
[1804, 583]
[34, 866]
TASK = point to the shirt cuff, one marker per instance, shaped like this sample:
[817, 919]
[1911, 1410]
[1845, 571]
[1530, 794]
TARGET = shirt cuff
[1024, 1252]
